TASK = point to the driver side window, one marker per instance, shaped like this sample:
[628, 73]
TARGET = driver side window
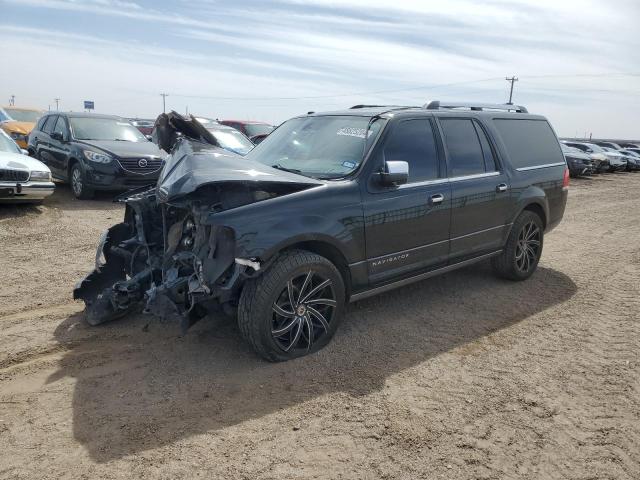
[412, 141]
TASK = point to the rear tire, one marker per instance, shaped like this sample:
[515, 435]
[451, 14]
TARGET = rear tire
[78, 183]
[523, 249]
[292, 309]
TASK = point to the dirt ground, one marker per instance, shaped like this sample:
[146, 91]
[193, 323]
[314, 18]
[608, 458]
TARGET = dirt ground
[460, 376]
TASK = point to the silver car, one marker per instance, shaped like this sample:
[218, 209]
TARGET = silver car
[22, 178]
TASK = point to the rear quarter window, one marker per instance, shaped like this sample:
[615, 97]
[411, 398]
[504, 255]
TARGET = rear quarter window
[529, 142]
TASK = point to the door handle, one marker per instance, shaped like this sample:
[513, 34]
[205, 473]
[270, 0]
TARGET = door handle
[502, 187]
[436, 199]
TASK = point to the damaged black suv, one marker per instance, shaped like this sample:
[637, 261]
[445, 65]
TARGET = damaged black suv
[330, 208]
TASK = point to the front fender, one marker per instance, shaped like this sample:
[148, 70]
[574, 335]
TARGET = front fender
[263, 229]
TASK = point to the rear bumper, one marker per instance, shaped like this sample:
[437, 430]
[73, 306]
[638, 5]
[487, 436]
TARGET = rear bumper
[25, 191]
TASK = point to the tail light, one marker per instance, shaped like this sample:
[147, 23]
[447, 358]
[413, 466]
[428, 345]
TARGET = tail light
[565, 178]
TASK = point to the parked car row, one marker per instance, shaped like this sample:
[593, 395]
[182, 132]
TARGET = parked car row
[587, 158]
[102, 152]
[93, 152]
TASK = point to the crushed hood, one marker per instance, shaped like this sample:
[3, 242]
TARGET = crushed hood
[193, 164]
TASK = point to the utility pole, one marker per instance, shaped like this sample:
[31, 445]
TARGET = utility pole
[12, 100]
[513, 79]
[57, 104]
[164, 96]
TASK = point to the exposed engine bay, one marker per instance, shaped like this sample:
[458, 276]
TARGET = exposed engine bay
[169, 257]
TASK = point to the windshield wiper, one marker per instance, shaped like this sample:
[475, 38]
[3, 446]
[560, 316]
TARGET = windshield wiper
[285, 169]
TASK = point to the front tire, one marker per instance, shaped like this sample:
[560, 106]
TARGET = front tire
[523, 249]
[294, 308]
[78, 182]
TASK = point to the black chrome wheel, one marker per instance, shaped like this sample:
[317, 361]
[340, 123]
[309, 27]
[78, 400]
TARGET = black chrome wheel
[528, 247]
[294, 308]
[523, 248]
[303, 311]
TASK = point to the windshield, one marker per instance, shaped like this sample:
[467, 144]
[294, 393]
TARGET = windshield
[254, 129]
[7, 145]
[232, 140]
[87, 128]
[595, 148]
[21, 115]
[319, 147]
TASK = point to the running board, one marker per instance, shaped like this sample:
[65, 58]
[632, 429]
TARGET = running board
[422, 276]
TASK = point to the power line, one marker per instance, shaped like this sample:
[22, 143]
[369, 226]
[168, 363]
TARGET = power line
[513, 80]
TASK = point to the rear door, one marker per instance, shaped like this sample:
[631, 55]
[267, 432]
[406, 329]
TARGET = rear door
[480, 189]
[407, 226]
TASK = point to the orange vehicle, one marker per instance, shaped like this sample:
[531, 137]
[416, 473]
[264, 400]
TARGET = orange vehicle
[17, 122]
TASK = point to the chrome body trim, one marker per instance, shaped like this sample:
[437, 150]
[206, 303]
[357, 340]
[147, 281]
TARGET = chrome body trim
[474, 176]
[406, 281]
[536, 167]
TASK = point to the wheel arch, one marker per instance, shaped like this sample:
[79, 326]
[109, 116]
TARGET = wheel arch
[70, 163]
[538, 209]
[327, 250]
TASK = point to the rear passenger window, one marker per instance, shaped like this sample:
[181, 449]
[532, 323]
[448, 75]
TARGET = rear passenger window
[529, 143]
[463, 145]
[412, 141]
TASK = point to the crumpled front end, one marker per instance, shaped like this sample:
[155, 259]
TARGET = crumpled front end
[165, 260]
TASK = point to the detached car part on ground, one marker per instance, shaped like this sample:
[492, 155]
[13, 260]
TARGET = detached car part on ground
[329, 208]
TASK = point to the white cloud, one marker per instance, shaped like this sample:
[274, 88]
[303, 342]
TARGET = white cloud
[457, 49]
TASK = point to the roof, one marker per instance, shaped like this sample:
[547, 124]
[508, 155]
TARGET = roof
[85, 115]
[399, 111]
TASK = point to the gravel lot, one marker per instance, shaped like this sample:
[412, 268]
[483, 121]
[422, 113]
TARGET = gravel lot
[460, 376]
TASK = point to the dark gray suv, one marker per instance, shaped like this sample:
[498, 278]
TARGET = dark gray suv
[330, 208]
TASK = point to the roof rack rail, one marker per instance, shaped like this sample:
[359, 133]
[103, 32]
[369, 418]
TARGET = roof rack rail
[438, 105]
[355, 107]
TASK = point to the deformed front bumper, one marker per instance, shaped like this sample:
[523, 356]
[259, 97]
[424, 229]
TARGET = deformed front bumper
[179, 272]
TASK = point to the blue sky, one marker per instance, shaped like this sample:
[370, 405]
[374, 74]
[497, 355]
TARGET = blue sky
[578, 62]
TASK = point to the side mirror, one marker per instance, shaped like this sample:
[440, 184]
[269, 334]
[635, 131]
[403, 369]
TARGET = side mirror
[57, 136]
[24, 152]
[396, 172]
[149, 137]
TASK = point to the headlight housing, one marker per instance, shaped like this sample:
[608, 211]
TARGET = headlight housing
[97, 157]
[39, 176]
